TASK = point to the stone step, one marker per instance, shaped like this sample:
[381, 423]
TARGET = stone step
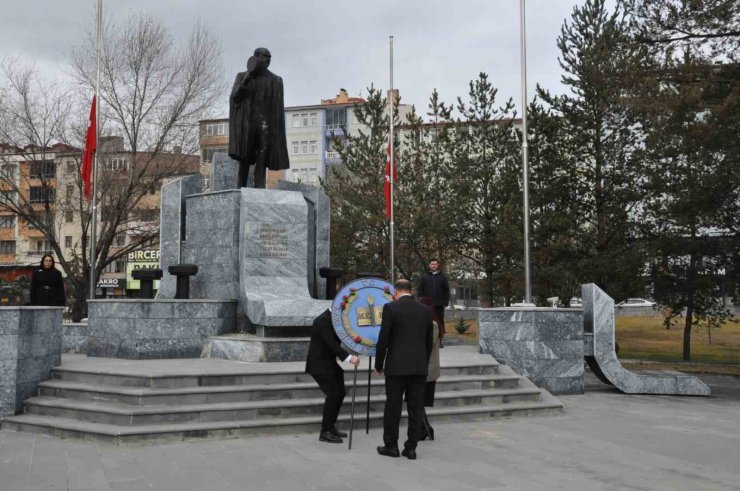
[234, 376]
[112, 434]
[146, 396]
[116, 414]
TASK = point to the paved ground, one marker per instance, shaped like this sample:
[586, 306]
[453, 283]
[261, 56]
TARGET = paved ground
[605, 440]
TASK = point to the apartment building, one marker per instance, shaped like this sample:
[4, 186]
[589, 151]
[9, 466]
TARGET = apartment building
[35, 176]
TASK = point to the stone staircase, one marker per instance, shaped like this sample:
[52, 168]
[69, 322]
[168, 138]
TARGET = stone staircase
[125, 401]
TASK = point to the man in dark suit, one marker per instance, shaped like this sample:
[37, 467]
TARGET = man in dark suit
[402, 355]
[323, 351]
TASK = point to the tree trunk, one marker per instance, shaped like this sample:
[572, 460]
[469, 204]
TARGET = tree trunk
[687, 333]
[79, 308]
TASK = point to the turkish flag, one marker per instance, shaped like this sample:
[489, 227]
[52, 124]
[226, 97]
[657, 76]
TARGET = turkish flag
[90, 148]
[387, 184]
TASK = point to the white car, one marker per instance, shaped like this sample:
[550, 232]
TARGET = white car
[636, 302]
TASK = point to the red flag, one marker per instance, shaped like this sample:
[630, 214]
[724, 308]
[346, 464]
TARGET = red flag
[387, 188]
[90, 148]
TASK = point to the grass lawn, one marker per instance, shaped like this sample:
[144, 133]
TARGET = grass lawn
[645, 338]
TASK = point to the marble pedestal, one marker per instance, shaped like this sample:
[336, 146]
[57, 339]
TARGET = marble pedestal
[30, 345]
[261, 248]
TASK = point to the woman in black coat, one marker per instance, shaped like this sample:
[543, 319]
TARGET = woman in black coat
[47, 286]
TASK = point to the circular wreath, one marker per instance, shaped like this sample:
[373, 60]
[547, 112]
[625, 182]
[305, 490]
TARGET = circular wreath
[347, 301]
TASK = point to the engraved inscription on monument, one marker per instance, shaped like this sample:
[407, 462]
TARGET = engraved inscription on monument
[273, 240]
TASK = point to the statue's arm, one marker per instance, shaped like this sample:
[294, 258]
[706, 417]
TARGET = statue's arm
[239, 90]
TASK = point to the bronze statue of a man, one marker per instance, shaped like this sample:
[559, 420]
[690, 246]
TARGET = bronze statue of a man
[257, 121]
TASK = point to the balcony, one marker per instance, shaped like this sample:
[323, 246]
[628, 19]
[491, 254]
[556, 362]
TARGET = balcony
[333, 157]
[334, 131]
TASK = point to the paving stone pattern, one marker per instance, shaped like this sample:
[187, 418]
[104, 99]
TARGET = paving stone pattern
[613, 441]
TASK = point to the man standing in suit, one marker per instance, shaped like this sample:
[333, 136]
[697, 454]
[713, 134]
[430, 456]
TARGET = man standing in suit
[323, 351]
[434, 284]
[402, 355]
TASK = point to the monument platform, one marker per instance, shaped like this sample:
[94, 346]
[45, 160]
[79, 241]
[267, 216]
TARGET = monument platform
[136, 401]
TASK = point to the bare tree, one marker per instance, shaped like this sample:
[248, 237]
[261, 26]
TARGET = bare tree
[152, 94]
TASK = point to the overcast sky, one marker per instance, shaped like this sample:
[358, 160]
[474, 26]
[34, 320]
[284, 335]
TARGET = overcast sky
[320, 46]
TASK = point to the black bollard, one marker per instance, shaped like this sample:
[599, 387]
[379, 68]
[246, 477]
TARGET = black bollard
[147, 277]
[183, 272]
[331, 275]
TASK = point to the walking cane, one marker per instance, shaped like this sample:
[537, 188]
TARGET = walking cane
[352, 411]
[369, 372]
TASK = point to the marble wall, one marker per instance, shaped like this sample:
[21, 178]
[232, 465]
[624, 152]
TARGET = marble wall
[30, 345]
[542, 344]
[144, 329]
[319, 222]
[74, 337]
[172, 211]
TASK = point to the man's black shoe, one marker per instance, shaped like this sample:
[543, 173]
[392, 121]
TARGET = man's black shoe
[326, 436]
[334, 431]
[409, 453]
[389, 451]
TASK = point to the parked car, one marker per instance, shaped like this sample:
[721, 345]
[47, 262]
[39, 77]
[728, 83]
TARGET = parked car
[636, 302]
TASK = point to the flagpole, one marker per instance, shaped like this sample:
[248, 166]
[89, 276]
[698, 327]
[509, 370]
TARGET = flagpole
[94, 214]
[391, 106]
[525, 156]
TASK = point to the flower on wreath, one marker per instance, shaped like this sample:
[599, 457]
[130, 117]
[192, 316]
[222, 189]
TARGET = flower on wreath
[387, 289]
[345, 298]
[353, 290]
[357, 339]
[344, 305]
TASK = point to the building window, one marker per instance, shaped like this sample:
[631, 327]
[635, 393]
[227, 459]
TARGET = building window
[68, 241]
[69, 216]
[41, 194]
[303, 120]
[305, 147]
[7, 247]
[120, 239]
[71, 166]
[8, 196]
[117, 163]
[42, 218]
[8, 221]
[43, 169]
[209, 153]
[42, 247]
[214, 129]
[335, 118]
[117, 266]
[8, 171]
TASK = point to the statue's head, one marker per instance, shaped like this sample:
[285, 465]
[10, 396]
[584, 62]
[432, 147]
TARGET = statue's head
[264, 55]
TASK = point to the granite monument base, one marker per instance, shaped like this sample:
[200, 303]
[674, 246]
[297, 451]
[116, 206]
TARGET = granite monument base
[74, 337]
[30, 345]
[248, 347]
[146, 329]
[542, 344]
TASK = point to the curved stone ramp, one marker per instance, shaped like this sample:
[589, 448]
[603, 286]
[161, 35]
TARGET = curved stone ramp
[600, 354]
